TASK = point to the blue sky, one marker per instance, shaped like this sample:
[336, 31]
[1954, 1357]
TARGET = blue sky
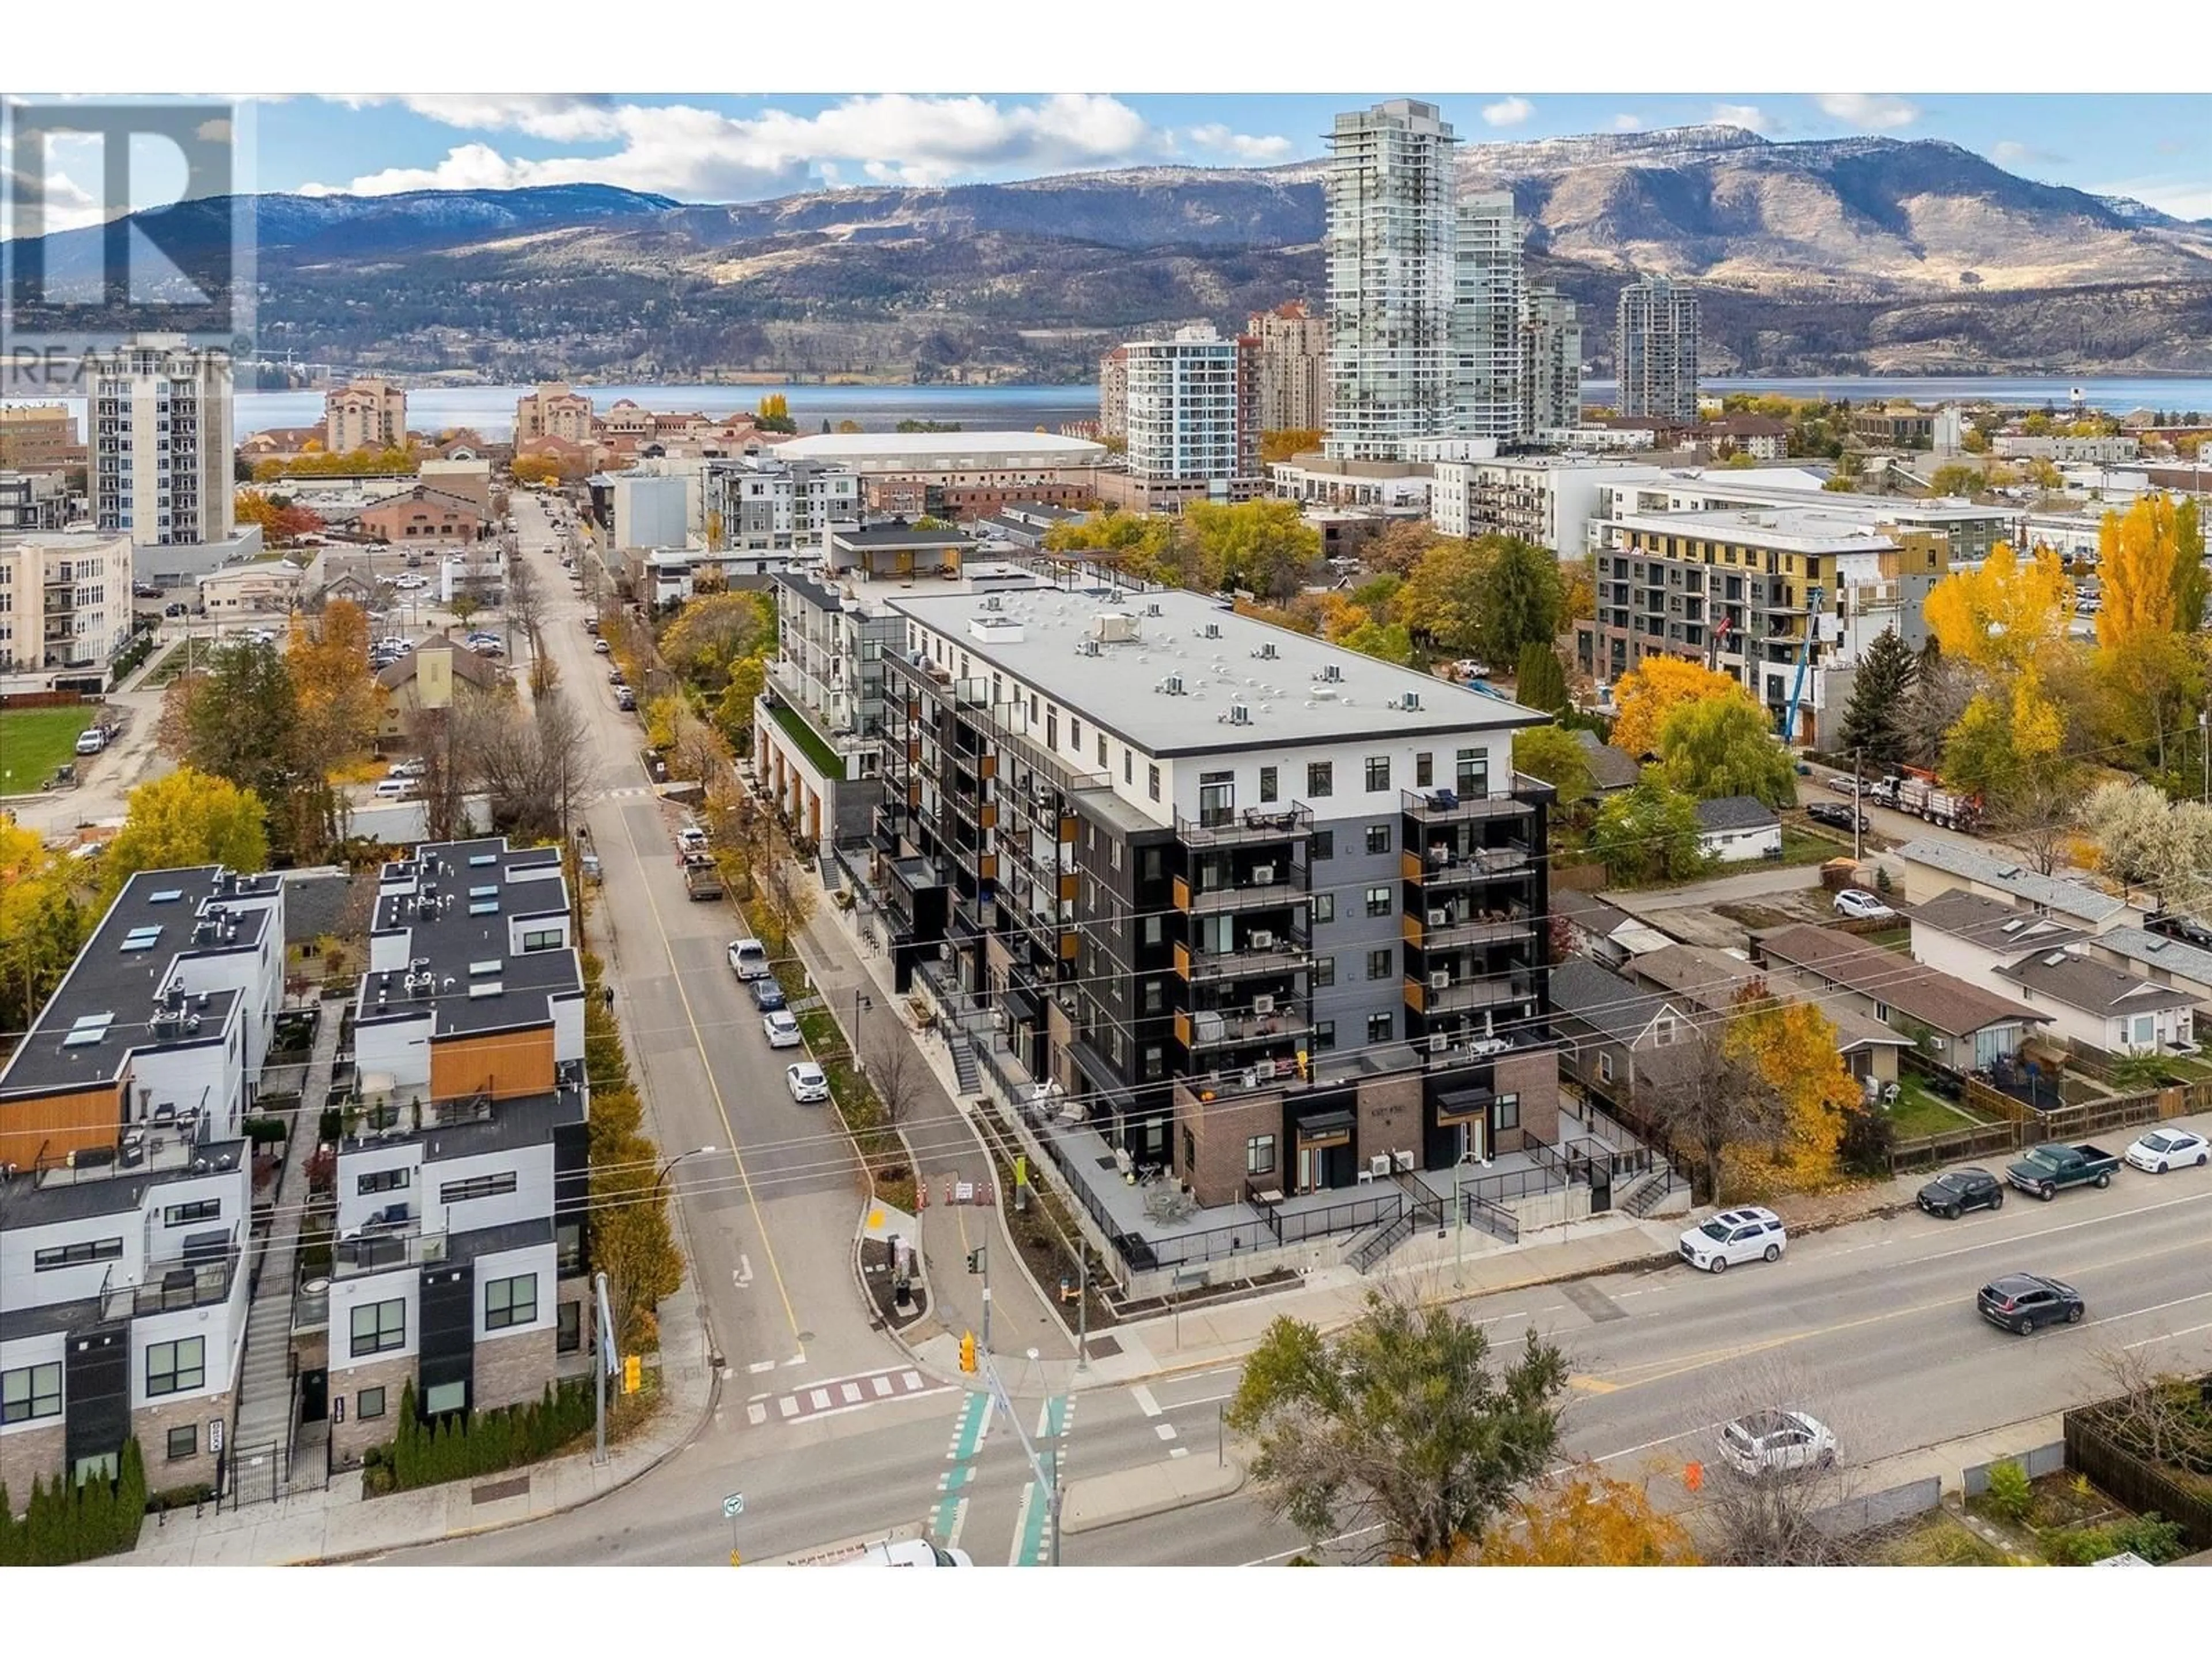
[714, 148]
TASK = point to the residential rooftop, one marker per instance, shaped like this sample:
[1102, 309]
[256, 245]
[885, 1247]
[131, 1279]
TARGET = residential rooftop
[40, 1198]
[1221, 658]
[1604, 1000]
[2157, 953]
[1938, 1000]
[2071, 899]
[1736, 812]
[454, 901]
[1991, 923]
[898, 533]
[935, 451]
[2065, 976]
[1787, 529]
[105, 1008]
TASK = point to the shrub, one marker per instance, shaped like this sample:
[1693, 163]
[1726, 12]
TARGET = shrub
[456, 1447]
[1868, 1137]
[2010, 1495]
[65, 1524]
[2156, 1540]
[262, 1131]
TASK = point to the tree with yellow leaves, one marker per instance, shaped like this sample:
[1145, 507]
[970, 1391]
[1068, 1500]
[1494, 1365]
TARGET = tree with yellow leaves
[1584, 1517]
[2005, 616]
[1654, 689]
[2134, 563]
[41, 925]
[1792, 1047]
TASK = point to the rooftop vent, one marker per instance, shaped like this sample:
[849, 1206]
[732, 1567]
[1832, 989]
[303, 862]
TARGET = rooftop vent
[2054, 959]
[1332, 672]
[1238, 714]
[1267, 651]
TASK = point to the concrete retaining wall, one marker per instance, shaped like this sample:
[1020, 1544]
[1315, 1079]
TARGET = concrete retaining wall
[2044, 1460]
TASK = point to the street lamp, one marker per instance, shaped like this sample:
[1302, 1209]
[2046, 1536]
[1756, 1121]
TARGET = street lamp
[695, 1152]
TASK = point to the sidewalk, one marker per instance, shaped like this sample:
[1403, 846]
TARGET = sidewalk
[337, 1523]
[946, 1149]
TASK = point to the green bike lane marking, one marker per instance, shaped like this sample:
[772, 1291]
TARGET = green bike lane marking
[1031, 1544]
[967, 1440]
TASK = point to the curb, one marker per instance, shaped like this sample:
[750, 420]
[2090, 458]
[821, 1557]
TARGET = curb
[1213, 1485]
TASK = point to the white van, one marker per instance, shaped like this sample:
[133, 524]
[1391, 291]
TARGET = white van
[397, 789]
[904, 1546]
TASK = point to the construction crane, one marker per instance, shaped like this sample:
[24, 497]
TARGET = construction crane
[1804, 660]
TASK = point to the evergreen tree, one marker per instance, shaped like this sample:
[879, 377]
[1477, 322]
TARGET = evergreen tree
[1542, 682]
[1873, 722]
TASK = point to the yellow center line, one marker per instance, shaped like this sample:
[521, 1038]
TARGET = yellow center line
[721, 1106]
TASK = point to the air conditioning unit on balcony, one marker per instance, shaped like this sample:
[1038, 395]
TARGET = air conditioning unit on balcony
[1439, 918]
[1440, 980]
[1262, 939]
[1263, 1005]
[1438, 1041]
[1263, 875]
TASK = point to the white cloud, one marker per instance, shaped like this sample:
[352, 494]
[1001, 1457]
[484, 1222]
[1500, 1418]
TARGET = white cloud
[2185, 198]
[1749, 117]
[1508, 111]
[682, 150]
[1875, 112]
[1246, 147]
[2008, 152]
[65, 203]
[1626, 123]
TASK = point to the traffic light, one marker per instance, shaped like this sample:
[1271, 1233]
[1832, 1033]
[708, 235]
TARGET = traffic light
[975, 1260]
[967, 1351]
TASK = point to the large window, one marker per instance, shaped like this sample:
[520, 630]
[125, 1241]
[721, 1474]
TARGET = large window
[1378, 901]
[1471, 774]
[31, 1392]
[1378, 839]
[76, 1254]
[442, 1397]
[174, 1367]
[510, 1302]
[379, 1327]
[547, 939]
[200, 1209]
[1381, 964]
[385, 1181]
[1379, 1028]
[490, 1186]
[1505, 1112]
[1260, 1155]
[1324, 971]
[1324, 908]
[1267, 785]
[1378, 773]
[1320, 779]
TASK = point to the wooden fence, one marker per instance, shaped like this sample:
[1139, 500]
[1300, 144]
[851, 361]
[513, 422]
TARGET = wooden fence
[43, 699]
[2019, 1126]
[2142, 1485]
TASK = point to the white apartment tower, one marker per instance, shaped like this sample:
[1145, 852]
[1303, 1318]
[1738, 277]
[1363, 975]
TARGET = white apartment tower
[1551, 362]
[161, 429]
[1655, 350]
[1392, 195]
[1486, 319]
[1192, 418]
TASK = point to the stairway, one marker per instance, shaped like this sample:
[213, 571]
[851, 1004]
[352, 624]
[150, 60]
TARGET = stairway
[964, 1061]
[265, 1385]
[1650, 1190]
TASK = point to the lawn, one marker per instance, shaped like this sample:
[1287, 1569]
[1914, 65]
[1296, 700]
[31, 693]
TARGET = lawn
[34, 741]
[824, 757]
[1806, 847]
[1937, 1538]
[1920, 1111]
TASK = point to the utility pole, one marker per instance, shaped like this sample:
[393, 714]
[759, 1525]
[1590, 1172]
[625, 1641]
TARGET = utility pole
[1858, 806]
[603, 1361]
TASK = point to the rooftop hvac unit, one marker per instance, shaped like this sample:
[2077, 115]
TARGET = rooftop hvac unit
[1240, 713]
[1172, 685]
[1331, 672]
[1267, 651]
[1114, 627]
[1440, 980]
[1263, 1005]
[1088, 648]
[1262, 940]
[1152, 609]
[1213, 630]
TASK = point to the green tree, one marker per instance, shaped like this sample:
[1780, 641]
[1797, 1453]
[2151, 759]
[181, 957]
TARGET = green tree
[1647, 834]
[2193, 583]
[1398, 1422]
[187, 818]
[1444, 593]
[1873, 720]
[1387, 641]
[1956, 478]
[1264, 547]
[733, 715]
[1552, 754]
[1722, 746]
[1542, 678]
[41, 924]
[1521, 598]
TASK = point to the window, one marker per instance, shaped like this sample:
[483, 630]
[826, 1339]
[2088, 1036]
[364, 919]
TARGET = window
[368, 1404]
[490, 1186]
[184, 1441]
[1378, 901]
[379, 1327]
[1075, 734]
[568, 1247]
[2142, 1028]
[510, 1302]
[1324, 907]
[1128, 766]
[1378, 839]
[1604, 1068]
[1152, 781]
[1153, 996]
[570, 1328]
[1102, 748]
[1153, 933]
[1505, 1112]
[1320, 779]
[1324, 971]
[442, 1397]
[174, 1367]
[76, 1254]
[31, 1392]
[1378, 1027]
[1424, 770]
[1324, 1035]
[1268, 788]
[1151, 1062]
[1471, 773]
[1324, 844]
[200, 1209]
[385, 1181]
[1662, 1032]
[1378, 773]
[1260, 1155]
[1379, 965]
[544, 939]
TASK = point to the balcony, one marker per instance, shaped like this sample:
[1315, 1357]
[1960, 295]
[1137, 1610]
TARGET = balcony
[1253, 824]
[174, 1286]
[1274, 895]
[1462, 928]
[1450, 806]
[1202, 1029]
[384, 1249]
[1449, 867]
[1468, 996]
[1282, 953]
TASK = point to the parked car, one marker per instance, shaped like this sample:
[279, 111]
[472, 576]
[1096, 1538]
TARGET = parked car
[782, 1030]
[2187, 929]
[407, 768]
[602, 648]
[1860, 905]
[2047, 1168]
[2162, 1150]
[144, 591]
[397, 789]
[1751, 1233]
[175, 609]
[767, 995]
[749, 958]
[91, 740]
[1777, 1443]
[615, 677]
[1955, 1192]
[592, 625]
[625, 699]
[691, 839]
[2023, 1302]
[809, 1086]
[1843, 784]
[1836, 815]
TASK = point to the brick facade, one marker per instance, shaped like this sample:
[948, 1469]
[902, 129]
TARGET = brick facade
[1210, 1140]
[511, 1369]
[350, 1438]
[1536, 1078]
[152, 1424]
[1389, 1117]
[30, 1455]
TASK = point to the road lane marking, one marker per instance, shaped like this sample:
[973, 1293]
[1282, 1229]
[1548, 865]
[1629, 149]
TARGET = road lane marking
[760, 1365]
[757, 1415]
[911, 1379]
[1178, 1451]
[1145, 1402]
[882, 1385]
[2063, 1227]
[714, 1084]
[1284, 1555]
[787, 1406]
[851, 1391]
[2169, 1336]
[1165, 1431]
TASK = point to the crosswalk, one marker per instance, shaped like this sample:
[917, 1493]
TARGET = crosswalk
[629, 791]
[844, 1394]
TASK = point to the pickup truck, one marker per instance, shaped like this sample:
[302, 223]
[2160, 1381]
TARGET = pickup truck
[2047, 1169]
[702, 880]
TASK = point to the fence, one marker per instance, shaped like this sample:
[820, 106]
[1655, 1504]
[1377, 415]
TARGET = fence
[2044, 1460]
[1877, 1510]
[2020, 1127]
[1284, 1227]
[2141, 1486]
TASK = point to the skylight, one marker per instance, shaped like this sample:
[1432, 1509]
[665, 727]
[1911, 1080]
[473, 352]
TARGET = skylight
[483, 892]
[484, 907]
[485, 988]
[167, 895]
[476, 861]
[141, 938]
[477, 969]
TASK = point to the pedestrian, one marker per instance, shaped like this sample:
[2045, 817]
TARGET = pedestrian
[607, 992]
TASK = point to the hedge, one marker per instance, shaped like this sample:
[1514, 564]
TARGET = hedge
[67, 1523]
[457, 1447]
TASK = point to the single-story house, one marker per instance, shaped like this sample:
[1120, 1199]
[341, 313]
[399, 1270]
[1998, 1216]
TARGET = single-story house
[1934, 867]
[2101, 1007]
[1603, 931]
[351, 584]
[1967, 1028]
[1715, 980]
[1618, 1038]
[1611, 769]
[2161, 960]
[1972, 935]
[1737, 827]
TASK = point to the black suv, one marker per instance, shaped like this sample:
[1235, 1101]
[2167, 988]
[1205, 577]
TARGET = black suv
[1951, 1193]
[2021, 1302]
[1836, 815]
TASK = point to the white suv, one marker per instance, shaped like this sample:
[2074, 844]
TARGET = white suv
[1749, 1234]
[1777, 1443]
